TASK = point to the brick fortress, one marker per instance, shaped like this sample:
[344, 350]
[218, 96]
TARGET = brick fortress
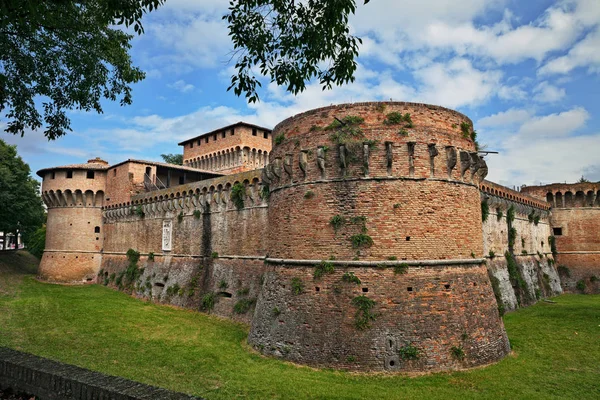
[361, 236]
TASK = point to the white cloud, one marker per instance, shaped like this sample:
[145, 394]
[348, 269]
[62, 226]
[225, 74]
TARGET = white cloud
[547, 93]
[545, 149]
[505, 118]
[555, 125]
[181, 86]
[586, 53]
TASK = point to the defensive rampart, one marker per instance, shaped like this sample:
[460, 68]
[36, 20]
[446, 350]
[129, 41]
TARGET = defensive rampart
[516, 232]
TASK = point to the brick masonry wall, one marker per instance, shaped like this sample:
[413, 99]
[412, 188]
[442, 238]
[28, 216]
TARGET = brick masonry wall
[579, 247]
[405, 197]
[430, 308]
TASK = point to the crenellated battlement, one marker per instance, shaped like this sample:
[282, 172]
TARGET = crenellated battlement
[567, 195]
[496, 191]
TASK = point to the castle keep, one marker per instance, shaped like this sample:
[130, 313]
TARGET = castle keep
[358, 236]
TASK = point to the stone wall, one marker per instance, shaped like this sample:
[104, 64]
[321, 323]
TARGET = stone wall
[47, 379]
[534, 275]
[216, 249]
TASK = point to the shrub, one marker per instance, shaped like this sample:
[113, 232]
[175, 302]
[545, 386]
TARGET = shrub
[275, 312]
[530, 216]
[499, 214]
[593, 278]
[279, 139]
[173, 290]
[457, 352]
[512, 236]
[323, 268]
[208, 302]
[351, 278]
[337, 221]
[265, 192]
[401, 268]
[564, 271]
[580, 285]
[180, 217]
[552, 243]
[485, 210]
[197, 214]
[242, 306]
[393, 118]
[315, 128]
[139, 211]
[238, 192]
[151, 256]
[112, 277]
[403, 132]
[492, 254]
[243, 292]
[510, 215]
[223, 284]
[350, 359]
[297, 286]
[214, 254]
[361, 240]
[133, 256]
[309, 194]
[392, 258]
[536, 220]
[363, 315]
[409, 352]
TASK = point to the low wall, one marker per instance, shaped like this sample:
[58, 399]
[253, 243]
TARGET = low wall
[51, 380]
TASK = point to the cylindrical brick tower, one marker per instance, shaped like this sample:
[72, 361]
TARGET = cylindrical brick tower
[74, 195]
[375, 242]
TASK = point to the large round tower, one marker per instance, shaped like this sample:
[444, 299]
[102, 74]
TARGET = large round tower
[375, 242]
[74, 195]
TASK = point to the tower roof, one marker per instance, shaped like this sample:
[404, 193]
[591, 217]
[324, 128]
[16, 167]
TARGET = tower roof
[93, 164]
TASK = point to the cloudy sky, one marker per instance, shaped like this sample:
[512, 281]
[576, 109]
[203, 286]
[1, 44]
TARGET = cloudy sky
[526, 72]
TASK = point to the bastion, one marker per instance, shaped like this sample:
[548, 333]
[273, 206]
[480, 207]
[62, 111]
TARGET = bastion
[375, 242]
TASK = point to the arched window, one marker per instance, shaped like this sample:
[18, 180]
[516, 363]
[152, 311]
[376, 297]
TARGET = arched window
[97, 229]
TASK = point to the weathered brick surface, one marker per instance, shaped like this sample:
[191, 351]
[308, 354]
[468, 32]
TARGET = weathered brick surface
[430, 308]
[403, 208]
[579, 246]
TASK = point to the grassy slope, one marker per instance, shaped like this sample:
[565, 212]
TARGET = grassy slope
[557, 348]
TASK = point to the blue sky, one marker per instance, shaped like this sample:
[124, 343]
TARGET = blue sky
[526, 72]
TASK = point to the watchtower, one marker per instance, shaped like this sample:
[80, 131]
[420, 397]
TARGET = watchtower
[74, 195]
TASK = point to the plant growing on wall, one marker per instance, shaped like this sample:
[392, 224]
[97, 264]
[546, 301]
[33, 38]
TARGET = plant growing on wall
[238, 193]
[243, 306]
[265, 192]
[552, 243]
[530, 216]
[536, 220]
[180, 217]
[197, 214]
[139, 211]
[564, 271]
[457, 352]
[485, 210]
[580, 285]
[499, 214]
[351, 278]
[279, 139]
[223, 284]
[409, 352]
[297, 286]
[324, 268]
[208, 301]
[151, 256]
[364, 314]
[132, 272]
[337, 221]
[361, 240]
[401, 268]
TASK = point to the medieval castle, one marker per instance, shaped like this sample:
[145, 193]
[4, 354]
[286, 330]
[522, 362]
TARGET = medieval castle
[359, 236]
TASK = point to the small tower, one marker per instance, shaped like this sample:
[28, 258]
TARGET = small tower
[74, 195]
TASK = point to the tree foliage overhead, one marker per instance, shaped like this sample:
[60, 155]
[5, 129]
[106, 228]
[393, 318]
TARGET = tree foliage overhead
[21, 207]
[176, 159]
[65, 54]
[291, 42]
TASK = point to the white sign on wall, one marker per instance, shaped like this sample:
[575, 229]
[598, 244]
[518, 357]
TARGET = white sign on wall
[166, 235]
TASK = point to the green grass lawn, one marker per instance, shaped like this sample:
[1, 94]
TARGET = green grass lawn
[556, 349]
